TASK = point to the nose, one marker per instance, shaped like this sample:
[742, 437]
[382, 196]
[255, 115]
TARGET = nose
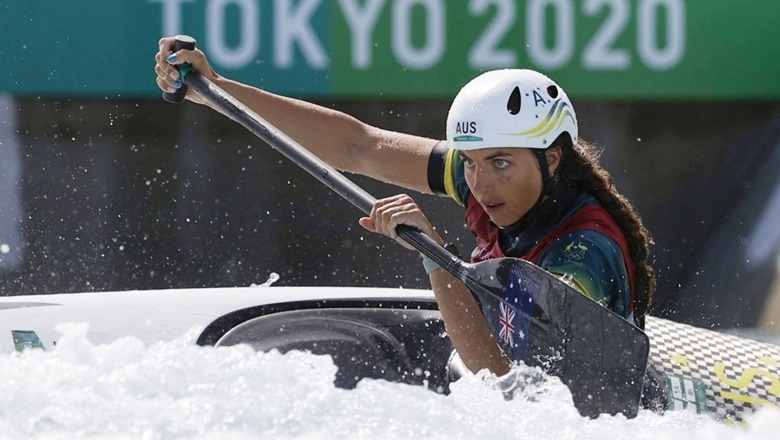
[480, 181]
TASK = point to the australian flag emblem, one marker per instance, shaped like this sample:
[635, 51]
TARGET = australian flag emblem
[510, 318]
[507, 328]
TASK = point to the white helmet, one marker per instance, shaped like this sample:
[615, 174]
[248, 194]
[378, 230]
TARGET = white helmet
[510, 108]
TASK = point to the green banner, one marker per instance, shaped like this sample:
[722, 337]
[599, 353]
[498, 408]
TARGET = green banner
[599, 49]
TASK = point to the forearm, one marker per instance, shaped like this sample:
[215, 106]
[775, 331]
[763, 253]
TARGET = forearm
[467, 328]
[341, 140]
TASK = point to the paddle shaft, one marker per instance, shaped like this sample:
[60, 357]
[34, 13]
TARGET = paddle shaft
[315, 166]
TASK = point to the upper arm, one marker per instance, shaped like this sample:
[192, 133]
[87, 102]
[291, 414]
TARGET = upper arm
[393, 157]
[341, 140]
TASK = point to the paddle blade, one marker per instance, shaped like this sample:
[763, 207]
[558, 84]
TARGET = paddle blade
[542, 321]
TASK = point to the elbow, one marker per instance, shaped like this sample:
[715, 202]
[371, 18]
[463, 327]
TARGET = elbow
[361, 141]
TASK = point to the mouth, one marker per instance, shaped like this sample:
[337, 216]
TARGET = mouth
[492, 207]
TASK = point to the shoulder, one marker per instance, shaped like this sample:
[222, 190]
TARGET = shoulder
[445, 173]
[593, 263]
[585, 245]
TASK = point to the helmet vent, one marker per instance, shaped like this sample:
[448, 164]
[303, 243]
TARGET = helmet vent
[513, 105]
[552, 91]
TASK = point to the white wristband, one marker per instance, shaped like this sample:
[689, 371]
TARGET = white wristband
[429, 264]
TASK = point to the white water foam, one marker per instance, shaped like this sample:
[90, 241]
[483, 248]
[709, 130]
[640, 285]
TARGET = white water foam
[177, 390]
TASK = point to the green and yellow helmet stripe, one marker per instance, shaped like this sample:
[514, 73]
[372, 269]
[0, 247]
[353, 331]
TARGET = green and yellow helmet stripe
[555, 117]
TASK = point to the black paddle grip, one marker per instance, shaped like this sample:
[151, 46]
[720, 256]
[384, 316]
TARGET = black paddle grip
[182, 42]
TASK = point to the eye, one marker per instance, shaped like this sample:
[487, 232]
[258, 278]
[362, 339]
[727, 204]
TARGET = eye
[468, 163]
[501, 163]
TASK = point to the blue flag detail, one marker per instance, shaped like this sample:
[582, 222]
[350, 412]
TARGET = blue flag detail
[510, 322]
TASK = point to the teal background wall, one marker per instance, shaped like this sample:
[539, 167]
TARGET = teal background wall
[600, 49]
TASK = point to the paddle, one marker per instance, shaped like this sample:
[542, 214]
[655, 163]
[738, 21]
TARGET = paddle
[536, 318]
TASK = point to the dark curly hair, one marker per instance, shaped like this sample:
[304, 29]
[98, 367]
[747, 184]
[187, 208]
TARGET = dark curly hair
[580, 168]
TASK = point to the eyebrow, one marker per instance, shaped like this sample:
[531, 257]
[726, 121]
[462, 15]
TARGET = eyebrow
[495, 155]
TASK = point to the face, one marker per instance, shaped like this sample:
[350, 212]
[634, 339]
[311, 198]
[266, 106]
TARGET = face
[507, 182]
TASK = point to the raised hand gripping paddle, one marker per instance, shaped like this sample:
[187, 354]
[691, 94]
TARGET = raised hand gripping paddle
[536, 318]
[182, 42]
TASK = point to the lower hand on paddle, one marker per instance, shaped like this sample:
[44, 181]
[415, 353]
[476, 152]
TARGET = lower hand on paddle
[401, 209]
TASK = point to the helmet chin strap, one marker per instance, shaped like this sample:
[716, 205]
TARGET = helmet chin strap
[548, 184]
[547, 178]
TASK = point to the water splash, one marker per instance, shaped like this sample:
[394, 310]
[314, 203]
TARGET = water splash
[272, 278]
